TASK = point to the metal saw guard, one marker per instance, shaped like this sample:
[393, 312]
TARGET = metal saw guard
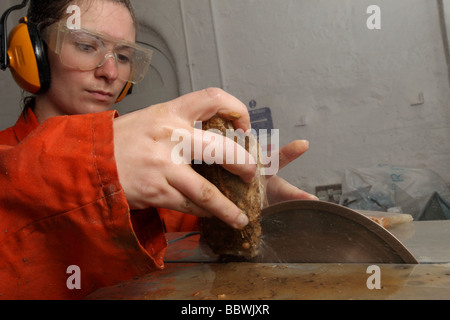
[306, 231]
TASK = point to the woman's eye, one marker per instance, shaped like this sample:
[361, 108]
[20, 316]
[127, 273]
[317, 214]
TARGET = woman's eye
[124, 54]
[85, 47]
[123, 58]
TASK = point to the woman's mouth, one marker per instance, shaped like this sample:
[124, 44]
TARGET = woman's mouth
[99, 95]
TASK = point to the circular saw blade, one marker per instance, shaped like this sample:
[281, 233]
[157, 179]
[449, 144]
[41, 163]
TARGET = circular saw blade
[305, 231]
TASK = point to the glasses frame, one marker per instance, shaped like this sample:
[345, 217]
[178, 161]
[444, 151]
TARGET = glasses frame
[54, 38]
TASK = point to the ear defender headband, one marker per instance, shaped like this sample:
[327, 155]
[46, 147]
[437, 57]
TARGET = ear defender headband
[26, 55]
[128, 89]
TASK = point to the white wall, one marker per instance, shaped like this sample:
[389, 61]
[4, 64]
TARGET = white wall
[315, 62]
[323, 74]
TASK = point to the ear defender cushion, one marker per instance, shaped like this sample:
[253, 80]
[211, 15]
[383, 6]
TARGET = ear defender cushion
[40, 52]
[28, 58]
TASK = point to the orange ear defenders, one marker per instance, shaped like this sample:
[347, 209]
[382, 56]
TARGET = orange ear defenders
[28, 60]
[26, 55]
[128, 89]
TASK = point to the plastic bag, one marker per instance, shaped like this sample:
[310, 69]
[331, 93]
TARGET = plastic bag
[436, 209]
[391, 188]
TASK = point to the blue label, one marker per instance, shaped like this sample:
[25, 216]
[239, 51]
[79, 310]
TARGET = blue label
[261, 119]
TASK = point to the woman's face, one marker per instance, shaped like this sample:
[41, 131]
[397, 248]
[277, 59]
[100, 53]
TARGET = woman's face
[73, 91]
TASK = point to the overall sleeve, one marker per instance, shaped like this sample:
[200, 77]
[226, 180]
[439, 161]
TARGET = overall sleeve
[62, 205]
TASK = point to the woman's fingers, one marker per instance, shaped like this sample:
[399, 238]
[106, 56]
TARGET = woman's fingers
[292, 151]
[206, 196]
[215, 148]
[148, 145]
[203, 105]
[212, 147]
[279, 190]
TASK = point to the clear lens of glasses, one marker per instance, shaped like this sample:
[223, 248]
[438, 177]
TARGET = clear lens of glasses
[86, 50]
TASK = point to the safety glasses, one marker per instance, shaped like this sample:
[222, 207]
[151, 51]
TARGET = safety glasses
[87, 50]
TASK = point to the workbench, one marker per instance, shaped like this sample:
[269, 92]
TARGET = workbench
[192, 272]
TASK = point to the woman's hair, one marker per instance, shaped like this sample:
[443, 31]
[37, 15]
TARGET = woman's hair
[44, 13]
[47, 12]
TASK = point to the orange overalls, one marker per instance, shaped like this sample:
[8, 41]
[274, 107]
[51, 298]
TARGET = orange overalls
[62, 205]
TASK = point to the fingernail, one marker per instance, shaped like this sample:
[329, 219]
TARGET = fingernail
[306, 142]
[241, 221]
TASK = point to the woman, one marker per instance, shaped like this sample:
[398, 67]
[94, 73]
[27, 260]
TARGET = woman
[82, 184]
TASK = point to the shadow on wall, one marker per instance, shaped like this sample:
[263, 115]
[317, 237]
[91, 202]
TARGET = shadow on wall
[161, 82]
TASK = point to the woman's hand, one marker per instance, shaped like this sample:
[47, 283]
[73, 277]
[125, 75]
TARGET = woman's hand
[147, 172]
[278, 189]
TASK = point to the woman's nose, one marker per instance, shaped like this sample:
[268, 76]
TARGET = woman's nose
[108, 68]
